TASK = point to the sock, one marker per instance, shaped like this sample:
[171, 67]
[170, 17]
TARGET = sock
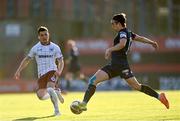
[53, 97]
[58, 93]
[46, 96]
[149, 91]
[89, 93]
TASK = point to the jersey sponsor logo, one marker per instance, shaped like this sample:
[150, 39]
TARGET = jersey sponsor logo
[39, 49]
[45, 56]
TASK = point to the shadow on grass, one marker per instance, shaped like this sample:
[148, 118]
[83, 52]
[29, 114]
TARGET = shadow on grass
[32, 118]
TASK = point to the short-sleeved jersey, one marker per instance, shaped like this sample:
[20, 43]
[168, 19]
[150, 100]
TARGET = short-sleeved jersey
[119, 64]
[120, 57]
[45, 56]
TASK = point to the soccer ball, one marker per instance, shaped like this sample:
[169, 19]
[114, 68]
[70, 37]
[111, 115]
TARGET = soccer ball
[74, 107]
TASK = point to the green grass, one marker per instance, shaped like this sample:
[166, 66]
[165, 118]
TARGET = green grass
[104, 106]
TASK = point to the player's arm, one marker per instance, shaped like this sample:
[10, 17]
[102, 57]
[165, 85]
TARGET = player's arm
[23, 64]
[115, 48]
[60, 66]
[146, 40]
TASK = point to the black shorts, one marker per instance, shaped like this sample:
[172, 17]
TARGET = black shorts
[114, 70]
[73, 68]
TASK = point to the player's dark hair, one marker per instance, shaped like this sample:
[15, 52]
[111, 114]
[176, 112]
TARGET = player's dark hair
[42, 28]
[120, 18]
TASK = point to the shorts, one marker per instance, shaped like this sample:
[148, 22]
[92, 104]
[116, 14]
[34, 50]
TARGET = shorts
[44, 79]
[114, 70]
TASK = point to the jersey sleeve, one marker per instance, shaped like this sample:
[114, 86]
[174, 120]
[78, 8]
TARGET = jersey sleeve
[31, 53]
[122, 35]
[133, 35]
[58, 53]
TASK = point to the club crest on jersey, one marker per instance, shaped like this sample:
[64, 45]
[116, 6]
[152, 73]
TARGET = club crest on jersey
[53, 78]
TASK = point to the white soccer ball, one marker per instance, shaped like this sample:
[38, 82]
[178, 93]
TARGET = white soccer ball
[74, 107]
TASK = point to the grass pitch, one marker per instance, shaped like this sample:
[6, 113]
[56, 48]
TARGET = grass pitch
[104, 106]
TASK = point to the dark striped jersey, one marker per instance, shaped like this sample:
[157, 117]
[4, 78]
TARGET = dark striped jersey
[120, 57]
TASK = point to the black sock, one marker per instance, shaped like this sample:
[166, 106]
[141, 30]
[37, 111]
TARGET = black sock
[89, 93]
[149, 91]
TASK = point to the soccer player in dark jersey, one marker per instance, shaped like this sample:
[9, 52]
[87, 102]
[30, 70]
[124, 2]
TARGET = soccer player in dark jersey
[73, 64]
[118, 65]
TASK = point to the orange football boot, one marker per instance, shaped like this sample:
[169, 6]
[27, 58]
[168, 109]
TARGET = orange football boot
[164, 100]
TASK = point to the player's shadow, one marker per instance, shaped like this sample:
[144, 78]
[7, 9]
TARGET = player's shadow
[32, 118]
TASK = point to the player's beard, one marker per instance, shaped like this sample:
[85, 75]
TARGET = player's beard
[45, 42]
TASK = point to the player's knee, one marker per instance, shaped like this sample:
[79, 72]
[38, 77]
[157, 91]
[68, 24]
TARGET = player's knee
[136, 87]
[92, 80]
[40, 96]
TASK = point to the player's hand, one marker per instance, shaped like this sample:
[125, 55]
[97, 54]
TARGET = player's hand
[108, 53]
[17, 76]
[155, 45]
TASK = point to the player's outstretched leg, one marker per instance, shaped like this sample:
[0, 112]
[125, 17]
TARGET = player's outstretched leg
[54, 100]
[60, 97]
[161, 97]
[88, 94]
[58, 91]
[98, 77]
[147, 90]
